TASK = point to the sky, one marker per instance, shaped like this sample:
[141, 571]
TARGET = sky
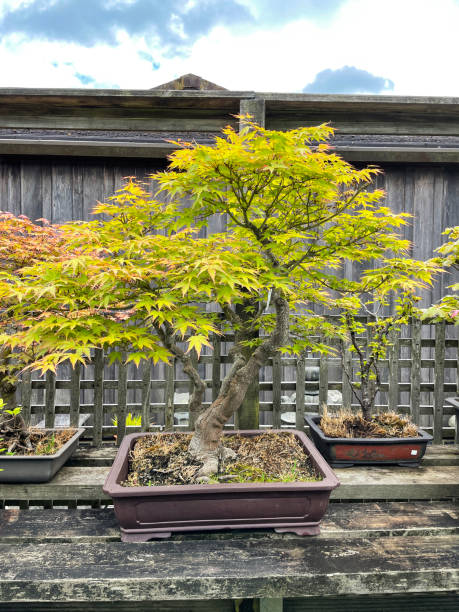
[388, 47]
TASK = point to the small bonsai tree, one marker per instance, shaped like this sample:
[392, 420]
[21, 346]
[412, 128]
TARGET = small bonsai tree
[22, 243]
[386, 297]
[140, 280]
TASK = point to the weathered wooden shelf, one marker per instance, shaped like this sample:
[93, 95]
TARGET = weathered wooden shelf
[437, 478]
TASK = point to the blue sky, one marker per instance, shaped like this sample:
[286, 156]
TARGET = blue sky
[398, 47]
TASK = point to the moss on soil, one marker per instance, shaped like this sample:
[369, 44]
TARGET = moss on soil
[353, 425]
[163, 459]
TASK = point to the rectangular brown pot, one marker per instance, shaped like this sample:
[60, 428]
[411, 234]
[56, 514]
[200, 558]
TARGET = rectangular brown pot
[346, 452]
[156, 512]
[37, 468]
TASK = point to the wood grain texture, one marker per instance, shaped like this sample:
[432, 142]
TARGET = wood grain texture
[196, 569]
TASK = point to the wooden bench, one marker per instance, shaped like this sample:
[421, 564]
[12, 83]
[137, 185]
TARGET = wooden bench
[389, 540]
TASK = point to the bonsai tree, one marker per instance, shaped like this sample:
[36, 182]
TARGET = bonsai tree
[389, 287]
[22, 243]
[295, 212]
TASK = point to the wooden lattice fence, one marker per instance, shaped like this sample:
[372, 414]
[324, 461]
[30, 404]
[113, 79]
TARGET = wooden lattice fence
[421, 370]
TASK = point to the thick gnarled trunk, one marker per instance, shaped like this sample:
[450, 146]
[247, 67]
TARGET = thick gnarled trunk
[206, 442]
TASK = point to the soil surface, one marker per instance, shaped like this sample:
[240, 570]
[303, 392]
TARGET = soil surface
[351, 425]
[41, 443]
[163, 459]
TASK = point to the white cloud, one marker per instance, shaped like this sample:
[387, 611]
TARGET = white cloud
[411, 42]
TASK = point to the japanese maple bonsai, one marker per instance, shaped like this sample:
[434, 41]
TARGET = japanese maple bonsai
[138, 280]
[25, 243]
[364, 437]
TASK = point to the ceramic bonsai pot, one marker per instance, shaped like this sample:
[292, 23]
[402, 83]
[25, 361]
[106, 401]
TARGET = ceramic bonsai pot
[155, 512]
[346, 452]
[37, 468]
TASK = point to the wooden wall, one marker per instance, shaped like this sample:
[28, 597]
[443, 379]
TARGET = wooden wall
[63, 189]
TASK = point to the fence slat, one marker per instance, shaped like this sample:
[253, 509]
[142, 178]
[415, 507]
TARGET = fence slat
[394, 352]
[122, 399]
[50, 398]
[277, 379]
[169, 397]
[439, 377]
[415, 394]
[26, 396]
[146, 386]
[323, 382]
[216, 361]
[98, 397]
[75, 395]
[300, 386]
[347, 389]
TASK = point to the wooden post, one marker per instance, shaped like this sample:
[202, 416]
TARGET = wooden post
[347, 389]
[75, 395]
[277, 379]
[255, 107]
[169, 397]
[415, 395]
[393, 370]
[50, 387]
[216, 358]
[300, 380]
[323, 382]
[248, 415]
[26, 396]
[122, 399]
[98, 397]
[439, 379]
[146, 385]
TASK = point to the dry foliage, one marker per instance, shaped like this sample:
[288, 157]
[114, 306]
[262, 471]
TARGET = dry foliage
[41, 442]
[163, 459]
[346, 424]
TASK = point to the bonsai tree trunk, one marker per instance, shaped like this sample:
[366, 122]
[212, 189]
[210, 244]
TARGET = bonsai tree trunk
[206, 443]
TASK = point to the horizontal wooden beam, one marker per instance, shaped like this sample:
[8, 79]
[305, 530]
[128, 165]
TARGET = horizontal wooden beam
[345, 520]
[249, 568]
[357, 484]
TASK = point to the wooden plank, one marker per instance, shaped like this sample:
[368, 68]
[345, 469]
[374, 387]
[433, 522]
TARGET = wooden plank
[277, 381]
[216, 366]
[75, 394]
[146, 386]
[323, 381]
[394, 374]
[169, 397]
[50, 396]
[121, 412]
[362, 483]
[300, 386]
[346, 388]
[345, 520]
[99, 362]
[26, 396]
[90, 572]
[415, 393]
[439, 374]
[31, 189]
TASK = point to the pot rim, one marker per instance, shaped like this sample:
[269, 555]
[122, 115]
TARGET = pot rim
[114, 489]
